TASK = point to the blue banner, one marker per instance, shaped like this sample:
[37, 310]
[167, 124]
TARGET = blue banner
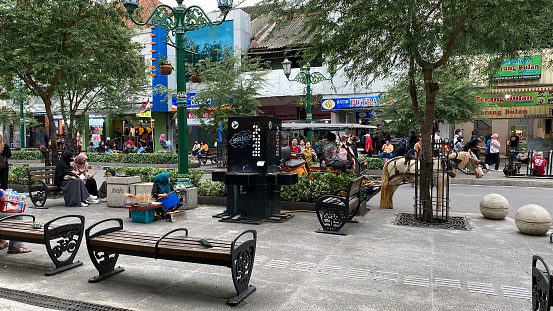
[347, 103]
[366, 115]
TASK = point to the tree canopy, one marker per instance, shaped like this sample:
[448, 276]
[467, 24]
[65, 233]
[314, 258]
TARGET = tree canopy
[229, 88]
[378, 39]
[48, 44]
[455, 102]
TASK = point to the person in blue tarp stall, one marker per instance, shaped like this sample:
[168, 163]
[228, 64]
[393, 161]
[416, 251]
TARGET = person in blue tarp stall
[161, 189]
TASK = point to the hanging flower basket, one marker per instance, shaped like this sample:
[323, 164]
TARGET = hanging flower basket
[196, 78]
[165, 69]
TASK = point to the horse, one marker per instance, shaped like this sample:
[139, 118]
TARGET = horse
[401, 170]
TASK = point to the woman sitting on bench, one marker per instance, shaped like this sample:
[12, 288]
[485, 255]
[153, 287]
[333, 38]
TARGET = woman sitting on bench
[331, 154]
[80, 167]
[103, 191]
[74, 190]
[309, 154]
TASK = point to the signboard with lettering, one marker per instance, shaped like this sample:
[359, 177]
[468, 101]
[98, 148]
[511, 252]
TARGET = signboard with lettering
[518, 112]
[518, 99]
[519, 69]
[347, 103]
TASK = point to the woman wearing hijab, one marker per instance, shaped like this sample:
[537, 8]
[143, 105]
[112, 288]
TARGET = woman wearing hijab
[103, 191]
[494, 151]
[161, 189]
[80, 167]
[74, 190]
[162, 141]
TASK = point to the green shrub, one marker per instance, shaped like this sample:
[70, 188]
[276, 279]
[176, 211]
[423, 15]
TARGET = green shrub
[210, 188]
[372, 163]
[142, 158]
[310, 189]
[151, 158]
[27, 155]
[18, 175]
[148, 174]
[195, 177]
[375, 163]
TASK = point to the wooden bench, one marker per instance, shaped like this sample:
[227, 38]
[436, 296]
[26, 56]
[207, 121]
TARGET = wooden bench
[41, 184]
[59, 237]
[334, 210]
[105, 245]
[541, 285]
[211, 154]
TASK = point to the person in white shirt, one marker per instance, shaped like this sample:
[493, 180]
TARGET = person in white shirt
[437, 142]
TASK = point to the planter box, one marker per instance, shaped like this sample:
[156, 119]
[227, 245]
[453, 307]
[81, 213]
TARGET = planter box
[117, 187]
[19, 188]
[142, 188]
[210, 200]
[190, 198]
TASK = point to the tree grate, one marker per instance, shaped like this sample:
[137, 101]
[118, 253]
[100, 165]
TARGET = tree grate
[52, 302]
[455, 222]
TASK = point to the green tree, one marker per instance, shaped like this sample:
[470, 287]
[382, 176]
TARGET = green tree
[374, 38]
[44, 41]
[229, 88]
[455, 102]
[109, 86]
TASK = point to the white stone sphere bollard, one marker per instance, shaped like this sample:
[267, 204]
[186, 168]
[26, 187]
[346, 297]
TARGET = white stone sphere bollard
[533, 219]
[494, 206]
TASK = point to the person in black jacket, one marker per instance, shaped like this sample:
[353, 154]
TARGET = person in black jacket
[5, 154]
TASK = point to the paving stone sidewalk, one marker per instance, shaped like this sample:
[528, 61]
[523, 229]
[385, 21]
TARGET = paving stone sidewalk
[377, 266]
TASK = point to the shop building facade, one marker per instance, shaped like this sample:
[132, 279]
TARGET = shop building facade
[520, 101]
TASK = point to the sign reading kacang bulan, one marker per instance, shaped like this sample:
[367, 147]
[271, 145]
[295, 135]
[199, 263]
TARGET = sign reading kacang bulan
[518, 69]
[517, 112]
[517, 99]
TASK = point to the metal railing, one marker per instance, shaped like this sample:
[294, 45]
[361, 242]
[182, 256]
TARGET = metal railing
[525, 170]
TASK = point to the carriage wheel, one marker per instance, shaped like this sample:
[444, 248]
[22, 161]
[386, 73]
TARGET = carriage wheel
[38, 194]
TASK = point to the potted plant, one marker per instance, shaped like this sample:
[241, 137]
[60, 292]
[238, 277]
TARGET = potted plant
[195, 74]
[165, 68]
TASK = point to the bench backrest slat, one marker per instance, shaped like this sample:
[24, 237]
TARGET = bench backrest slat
[355, 186]
[42, 177]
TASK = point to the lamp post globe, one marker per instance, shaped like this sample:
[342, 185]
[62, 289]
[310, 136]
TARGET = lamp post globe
[307, 78]
[181, 20]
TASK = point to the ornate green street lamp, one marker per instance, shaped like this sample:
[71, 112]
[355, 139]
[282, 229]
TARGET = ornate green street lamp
[307, 78]
[176, 22]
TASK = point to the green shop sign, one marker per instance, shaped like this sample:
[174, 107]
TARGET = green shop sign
[519, 69]
[517, 99]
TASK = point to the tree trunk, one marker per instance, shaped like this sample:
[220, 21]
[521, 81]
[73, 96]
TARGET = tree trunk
[52, 125]
[427, 129]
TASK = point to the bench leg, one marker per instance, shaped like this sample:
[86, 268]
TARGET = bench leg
[63, 240]
[242, 265]
[332, 219]
[38, 194]
[541, 286]
[105, 264]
